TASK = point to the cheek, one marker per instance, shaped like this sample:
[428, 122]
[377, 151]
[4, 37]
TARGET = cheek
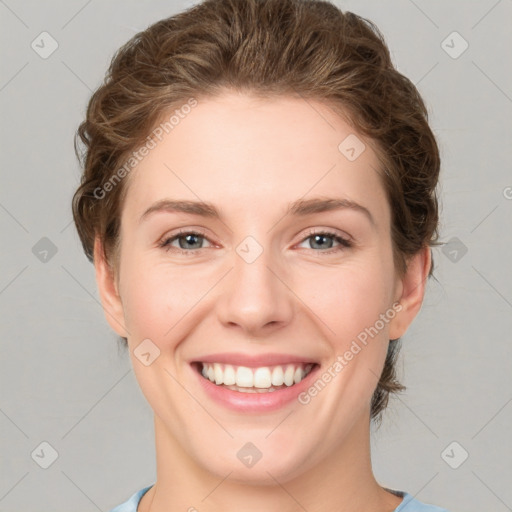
[159, 298]
[351, 298]
[164, 302]
[153, 299]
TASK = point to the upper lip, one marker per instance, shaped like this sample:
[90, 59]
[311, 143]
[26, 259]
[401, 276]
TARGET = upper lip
[253, 361]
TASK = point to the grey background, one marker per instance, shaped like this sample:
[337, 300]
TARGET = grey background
[63, 380]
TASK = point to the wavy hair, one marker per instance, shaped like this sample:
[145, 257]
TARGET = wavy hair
[266, 48]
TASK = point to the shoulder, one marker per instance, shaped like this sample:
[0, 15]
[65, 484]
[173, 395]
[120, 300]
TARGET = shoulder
[131, 504]
[410, 504]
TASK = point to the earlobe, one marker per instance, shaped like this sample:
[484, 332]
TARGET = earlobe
[412, 287]
[109, 294]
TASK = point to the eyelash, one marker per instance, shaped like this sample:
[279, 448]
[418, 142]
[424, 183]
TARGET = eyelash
[344, 242]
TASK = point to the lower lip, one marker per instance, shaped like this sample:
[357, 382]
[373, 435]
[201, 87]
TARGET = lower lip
[255, 402]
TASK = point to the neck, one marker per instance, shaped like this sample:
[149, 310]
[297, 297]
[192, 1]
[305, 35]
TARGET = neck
[343, 482]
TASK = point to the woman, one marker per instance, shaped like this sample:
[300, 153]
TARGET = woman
[258, 199]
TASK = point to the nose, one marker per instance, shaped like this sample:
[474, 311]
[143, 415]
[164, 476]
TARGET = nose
[255, 296]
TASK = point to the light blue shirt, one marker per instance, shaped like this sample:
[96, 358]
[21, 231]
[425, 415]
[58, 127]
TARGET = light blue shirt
[409, 504]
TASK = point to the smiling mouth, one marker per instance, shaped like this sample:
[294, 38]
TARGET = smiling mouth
[263, 379]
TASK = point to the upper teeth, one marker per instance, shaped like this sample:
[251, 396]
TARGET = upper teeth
[263, 377]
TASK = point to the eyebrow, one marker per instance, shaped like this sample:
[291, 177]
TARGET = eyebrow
[299, 208]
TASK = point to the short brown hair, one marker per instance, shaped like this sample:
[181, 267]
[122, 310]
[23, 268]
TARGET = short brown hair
[266, 48]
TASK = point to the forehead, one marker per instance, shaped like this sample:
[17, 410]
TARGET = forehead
[243, 152]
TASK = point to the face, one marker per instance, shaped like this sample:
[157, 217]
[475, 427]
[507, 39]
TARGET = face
[277, 286]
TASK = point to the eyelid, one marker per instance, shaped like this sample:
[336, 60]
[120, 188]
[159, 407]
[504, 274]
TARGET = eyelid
[345, 241]
[327, 231]
[164, 241]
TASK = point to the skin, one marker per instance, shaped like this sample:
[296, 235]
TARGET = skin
[251, 158]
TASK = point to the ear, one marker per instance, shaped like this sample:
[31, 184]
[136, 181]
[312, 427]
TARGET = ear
[108, 289]
[410, 292]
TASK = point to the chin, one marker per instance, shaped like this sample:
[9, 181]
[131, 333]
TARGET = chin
[259, 466]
